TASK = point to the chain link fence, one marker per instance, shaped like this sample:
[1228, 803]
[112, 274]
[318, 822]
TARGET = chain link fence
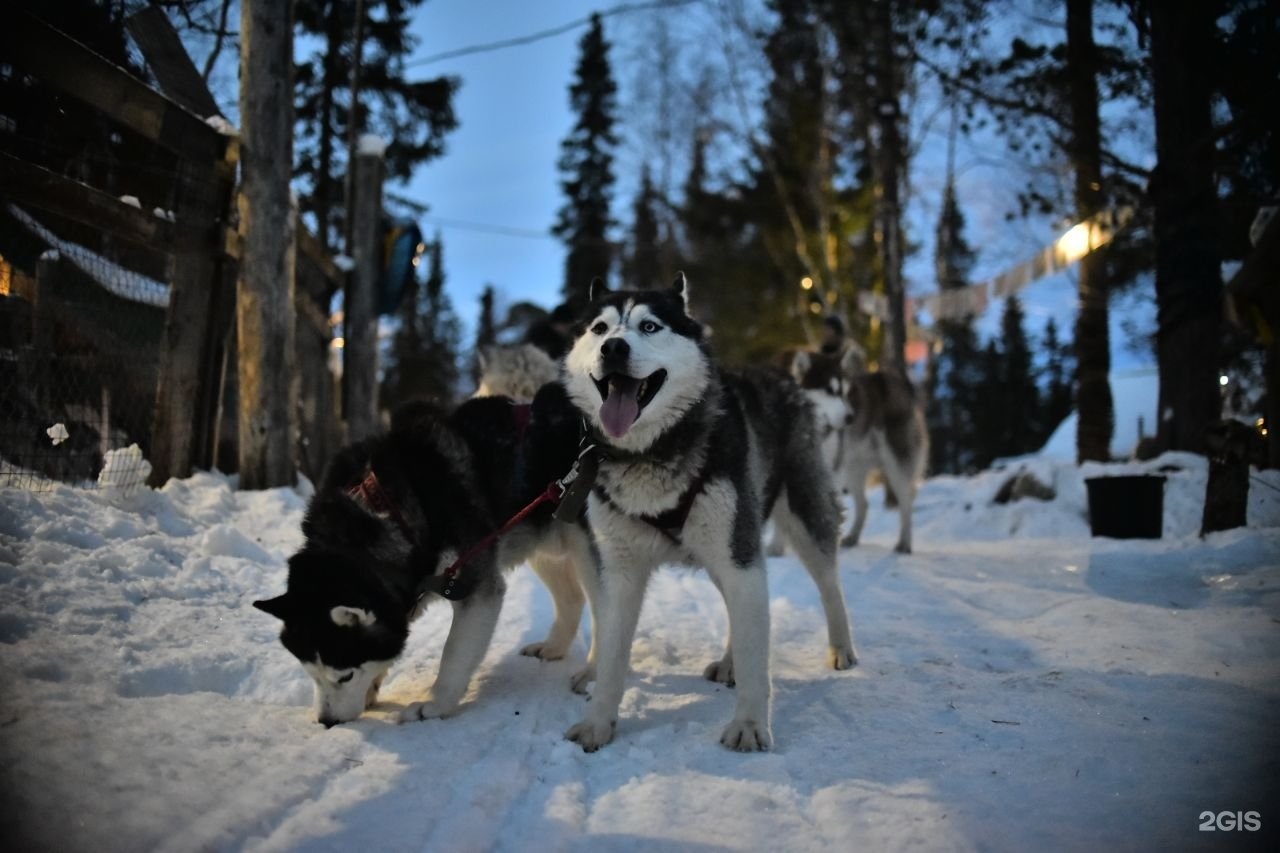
[80, 334]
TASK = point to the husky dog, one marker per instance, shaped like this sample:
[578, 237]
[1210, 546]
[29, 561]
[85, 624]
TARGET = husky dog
[390, 518]
[882, 428]
[692, 460]
[516, 371]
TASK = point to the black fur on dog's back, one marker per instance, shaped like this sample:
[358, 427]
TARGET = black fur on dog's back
[453, 478]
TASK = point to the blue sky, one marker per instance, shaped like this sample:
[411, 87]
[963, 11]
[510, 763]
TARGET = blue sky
[513, 110]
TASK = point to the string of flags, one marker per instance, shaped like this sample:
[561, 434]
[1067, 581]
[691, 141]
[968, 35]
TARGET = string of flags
[1078, 241]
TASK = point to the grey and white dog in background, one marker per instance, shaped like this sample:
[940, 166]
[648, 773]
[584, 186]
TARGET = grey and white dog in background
[693, 460]
[872, 421]
[516, 371]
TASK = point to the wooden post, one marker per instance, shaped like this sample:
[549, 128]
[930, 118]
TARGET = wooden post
[360, 314]
[191, 333]
[264, 308]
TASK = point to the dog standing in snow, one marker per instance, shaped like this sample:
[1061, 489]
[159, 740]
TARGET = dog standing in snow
[692, 461]
[871, 421]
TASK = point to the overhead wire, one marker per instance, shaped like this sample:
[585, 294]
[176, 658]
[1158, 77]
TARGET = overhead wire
[622, 9]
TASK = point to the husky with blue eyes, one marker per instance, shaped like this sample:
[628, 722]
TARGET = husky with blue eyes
[692, 460]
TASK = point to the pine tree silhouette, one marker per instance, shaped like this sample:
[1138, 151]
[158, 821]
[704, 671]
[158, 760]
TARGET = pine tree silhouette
[586, 164]
[412, 116]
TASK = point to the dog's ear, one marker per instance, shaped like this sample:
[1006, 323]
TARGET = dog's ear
[681, 288]
[279, 607]
[351, 617]
[853, 362]
[800, 364]
[597, 290]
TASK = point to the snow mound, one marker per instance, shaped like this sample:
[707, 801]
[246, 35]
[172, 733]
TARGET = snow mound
[123, 469]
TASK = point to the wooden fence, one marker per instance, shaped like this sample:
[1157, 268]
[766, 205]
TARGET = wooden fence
[190, 174]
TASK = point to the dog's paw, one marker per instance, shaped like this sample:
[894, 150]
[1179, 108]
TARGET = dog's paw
[903, 548]
[578, 683]
[543, 651]
[849, 541]
[591, 736]
[842, 658]
[720, 671]
[429, 710]
[747, 736]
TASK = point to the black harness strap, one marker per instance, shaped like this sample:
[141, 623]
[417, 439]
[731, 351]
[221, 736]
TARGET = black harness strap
[668, 522]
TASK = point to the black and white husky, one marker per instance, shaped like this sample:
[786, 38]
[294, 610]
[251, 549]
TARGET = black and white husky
[388, 521]
[693, 459]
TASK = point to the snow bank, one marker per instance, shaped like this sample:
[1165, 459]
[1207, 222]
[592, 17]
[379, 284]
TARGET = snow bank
[1135, 395]
[963, 508]
[1021, 686]
[371, 144]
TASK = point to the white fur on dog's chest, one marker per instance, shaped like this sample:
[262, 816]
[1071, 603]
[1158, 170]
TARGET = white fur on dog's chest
[644, 488]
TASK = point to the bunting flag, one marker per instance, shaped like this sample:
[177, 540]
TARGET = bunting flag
[1077, 242]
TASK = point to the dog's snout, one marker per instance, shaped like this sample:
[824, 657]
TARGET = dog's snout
[615, 351]
[329, 722]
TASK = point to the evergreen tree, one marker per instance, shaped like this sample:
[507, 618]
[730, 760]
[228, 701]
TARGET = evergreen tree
[423, 359]
[413, 116]
[643, 264]
[586, 164]
[1058, 372]
[989, 419]
[1020, 398]
[1007, 413]
[954, 376]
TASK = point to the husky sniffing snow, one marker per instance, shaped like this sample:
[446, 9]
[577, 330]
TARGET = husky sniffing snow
[693, 459]
[390, 518]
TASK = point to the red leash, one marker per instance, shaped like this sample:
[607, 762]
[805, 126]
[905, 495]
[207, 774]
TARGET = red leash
[552, 493]
[574, 484]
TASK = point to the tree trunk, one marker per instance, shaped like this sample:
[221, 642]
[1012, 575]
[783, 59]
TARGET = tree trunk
[889, 159]
[1093, 344]
[324, 124]
[265, 290]
[1188, 276]
[360, 311]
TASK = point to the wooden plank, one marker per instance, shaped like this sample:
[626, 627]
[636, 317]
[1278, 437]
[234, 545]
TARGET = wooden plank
[62, 62]
[178, 77]
[34, 186]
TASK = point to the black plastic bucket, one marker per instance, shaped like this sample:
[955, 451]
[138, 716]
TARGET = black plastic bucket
[1126, 507]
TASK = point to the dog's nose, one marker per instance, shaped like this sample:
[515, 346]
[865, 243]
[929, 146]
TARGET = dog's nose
[329, 722]
[615, 351]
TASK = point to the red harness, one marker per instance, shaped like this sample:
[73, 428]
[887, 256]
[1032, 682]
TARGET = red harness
[370, 492]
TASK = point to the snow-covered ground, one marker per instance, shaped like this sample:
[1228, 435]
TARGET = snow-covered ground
[1022, 686]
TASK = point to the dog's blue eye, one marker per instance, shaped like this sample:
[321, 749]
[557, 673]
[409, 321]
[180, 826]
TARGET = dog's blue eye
[599, 328]
[344, 679]
[649, 327]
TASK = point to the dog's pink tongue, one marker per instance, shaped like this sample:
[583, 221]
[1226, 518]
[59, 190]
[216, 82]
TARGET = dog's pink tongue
[620, 409]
